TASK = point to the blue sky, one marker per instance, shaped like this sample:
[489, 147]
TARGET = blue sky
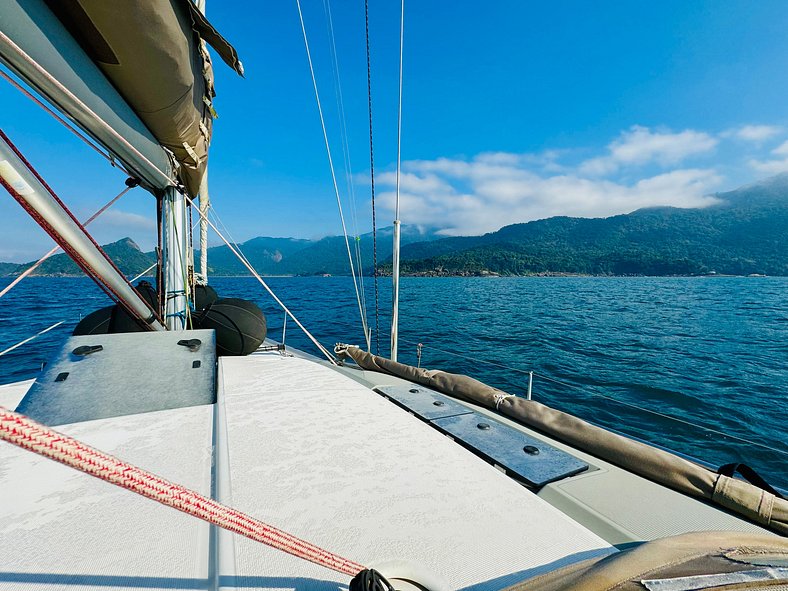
[512, 112]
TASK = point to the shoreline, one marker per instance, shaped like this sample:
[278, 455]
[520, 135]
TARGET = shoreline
[439, 276]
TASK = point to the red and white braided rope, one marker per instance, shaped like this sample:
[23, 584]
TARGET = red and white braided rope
[27, 434]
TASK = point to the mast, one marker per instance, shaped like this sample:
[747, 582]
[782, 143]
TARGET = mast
[205, 205]
[396, 237]
[175, 249]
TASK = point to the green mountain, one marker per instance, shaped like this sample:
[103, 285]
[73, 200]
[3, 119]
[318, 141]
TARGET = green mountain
[8, 269]
[746, 233]
[269, 256]
[291, 256]
[266, 255]
[125, 253]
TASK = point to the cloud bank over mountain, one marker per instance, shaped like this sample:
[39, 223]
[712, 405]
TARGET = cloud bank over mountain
[641, 167]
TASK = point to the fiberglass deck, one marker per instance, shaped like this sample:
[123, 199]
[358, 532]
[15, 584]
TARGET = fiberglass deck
[301, 447]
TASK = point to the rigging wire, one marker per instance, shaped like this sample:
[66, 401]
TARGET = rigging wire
[61, 120]
[37, 264]
[372, 180]
[606, 397]
[6, 40]
[351, 190]
[399, 107]
[331, 165]
[226, 231]
[141, 275]
[28, 339]
[397, 227]
[256, 275]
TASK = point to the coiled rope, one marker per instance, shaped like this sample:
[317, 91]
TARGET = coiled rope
[27, 434]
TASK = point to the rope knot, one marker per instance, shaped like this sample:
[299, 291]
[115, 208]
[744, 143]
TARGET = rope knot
[500, 397]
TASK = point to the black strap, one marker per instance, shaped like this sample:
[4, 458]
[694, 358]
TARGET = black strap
[749, 475]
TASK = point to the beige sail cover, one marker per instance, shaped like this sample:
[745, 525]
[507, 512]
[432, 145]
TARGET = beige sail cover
[705, 560]
[655, 464]
[154, 53]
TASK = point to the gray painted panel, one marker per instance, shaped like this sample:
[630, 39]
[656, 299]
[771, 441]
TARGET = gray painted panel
[132, 373]
[506, 446]
[424, 402]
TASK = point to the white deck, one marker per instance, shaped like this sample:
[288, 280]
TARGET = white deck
[301, 447]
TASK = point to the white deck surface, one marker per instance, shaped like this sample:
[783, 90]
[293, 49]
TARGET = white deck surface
[61, 529]
[300, 446]
[12, 394]
[323, 457]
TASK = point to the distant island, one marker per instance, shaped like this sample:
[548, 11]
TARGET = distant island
[746, 233]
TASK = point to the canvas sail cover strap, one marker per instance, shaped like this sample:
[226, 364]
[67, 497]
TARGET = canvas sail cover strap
[655, 464]
[152, 51]
[211, 36]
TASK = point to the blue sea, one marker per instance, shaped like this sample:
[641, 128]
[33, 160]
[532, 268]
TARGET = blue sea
[697, 365]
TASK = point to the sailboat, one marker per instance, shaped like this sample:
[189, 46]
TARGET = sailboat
[265, 467]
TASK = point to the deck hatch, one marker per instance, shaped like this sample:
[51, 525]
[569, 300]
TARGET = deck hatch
[534, 461]
[423, 402]
[112, 375]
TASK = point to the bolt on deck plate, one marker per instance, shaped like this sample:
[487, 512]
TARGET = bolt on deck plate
[423, 402]
[534, 461]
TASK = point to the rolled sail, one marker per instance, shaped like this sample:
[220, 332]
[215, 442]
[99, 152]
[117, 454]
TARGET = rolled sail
[152, 53]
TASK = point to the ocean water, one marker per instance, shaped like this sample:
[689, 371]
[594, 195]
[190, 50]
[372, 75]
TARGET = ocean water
[697, 365]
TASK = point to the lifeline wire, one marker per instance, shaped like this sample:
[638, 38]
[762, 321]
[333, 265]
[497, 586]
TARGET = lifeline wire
[27, 434]
[610, 398]
[37, 264]
[331, 165]
[28, 339]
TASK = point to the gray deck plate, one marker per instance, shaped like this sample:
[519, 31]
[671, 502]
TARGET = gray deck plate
[133, 373]
[423, 402]
[504, 446]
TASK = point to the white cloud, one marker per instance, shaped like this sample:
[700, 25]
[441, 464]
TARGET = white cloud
[640, 145]
[753, 133]
[773, 166]
[781, 150]
[116, 218]
[483, 194]
[770, 166]
[642, 167]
